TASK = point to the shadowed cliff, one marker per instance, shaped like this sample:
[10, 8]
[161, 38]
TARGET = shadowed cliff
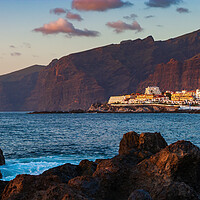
[78, 80]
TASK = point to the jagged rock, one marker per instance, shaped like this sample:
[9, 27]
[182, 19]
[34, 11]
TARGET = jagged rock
[112, 176]
[151, 142]
[28, 187]
[165, 172]
[2, 186]
[64, 172]
[129, 141]
[2, 159]
[145, 162]
[106, 108]
[140, 195]
[88, 185]
[87, 167]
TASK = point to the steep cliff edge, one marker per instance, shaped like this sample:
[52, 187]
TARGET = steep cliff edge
[175, 75]
[78, 80]
[16, 87]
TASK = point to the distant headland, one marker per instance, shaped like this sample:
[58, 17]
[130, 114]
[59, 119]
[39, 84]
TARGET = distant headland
[153, 101]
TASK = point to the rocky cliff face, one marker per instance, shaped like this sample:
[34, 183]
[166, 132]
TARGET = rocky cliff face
[78, 80]
[175, 75]
[16, 87]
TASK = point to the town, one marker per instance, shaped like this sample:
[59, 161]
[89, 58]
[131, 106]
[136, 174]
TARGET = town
[153, 95]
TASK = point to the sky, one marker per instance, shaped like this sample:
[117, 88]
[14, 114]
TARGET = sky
[38, 31]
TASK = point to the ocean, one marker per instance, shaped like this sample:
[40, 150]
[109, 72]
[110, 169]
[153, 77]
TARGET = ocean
[34, 143]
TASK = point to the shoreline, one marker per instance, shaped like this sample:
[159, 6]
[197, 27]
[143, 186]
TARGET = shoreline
[127, 108]
[138, 169]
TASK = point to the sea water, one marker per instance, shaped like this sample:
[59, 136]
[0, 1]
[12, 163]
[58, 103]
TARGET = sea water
[35, 143]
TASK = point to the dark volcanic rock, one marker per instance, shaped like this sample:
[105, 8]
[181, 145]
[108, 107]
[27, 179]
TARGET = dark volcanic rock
[2, 159]
[27, 187]
[2, 186]
[151, 142]
[140, 195]
[145, 168]
[64, 172]
[169, 172]
[87, 167]
[106, 108]
[87, 185]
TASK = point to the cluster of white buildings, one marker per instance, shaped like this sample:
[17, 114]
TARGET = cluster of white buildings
[154, 95]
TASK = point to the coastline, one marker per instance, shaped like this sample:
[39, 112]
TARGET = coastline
[138, 170]
[127, 108]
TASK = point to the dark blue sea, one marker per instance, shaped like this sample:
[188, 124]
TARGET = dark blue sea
[34, 143]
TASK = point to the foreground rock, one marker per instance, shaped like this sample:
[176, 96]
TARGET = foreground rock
[2, 159]
[146, 168]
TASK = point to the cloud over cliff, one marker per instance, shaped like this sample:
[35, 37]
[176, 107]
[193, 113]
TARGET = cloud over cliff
[120, 26]
[74, 16]
[162, 3]
[58, 11]
[182, 10]
[98, 5]
[63, 26]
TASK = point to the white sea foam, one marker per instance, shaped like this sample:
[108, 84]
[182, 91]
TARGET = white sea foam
[33, 166]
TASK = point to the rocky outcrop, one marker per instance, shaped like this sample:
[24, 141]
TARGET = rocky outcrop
[140, 195]
[2, 159]
[78, 80]
[173, 173]
[151, 142]
[106, 108]
[146, 168]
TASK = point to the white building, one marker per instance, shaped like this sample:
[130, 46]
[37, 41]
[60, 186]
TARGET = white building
[153, 90]
[198, 94]
[116, 99]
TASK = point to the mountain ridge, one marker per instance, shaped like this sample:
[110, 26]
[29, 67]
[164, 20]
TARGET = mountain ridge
[80, 79]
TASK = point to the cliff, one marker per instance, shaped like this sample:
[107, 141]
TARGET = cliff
[16, 87]
[175, 75]
[78, 80]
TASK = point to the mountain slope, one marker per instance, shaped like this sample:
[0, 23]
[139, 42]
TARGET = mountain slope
[80, 79]
[175, 75]
[16, 87]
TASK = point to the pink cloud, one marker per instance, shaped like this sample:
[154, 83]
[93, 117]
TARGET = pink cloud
[162, 3]
[58, 11]
[63, 26]
[182, 10]
[16, 54]
[73, 16]
[121, 26]
[12, 46]
[98, 5]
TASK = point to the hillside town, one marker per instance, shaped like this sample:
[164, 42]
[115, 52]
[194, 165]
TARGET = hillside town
[153, 95]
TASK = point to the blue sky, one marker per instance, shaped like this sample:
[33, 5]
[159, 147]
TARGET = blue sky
[26, 40]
